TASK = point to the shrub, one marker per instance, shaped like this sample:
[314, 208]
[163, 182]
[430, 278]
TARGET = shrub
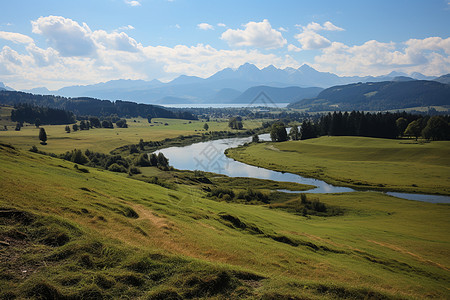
[117, 168]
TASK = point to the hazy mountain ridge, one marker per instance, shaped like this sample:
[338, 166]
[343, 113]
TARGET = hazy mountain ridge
[211, 90]
[379, 96]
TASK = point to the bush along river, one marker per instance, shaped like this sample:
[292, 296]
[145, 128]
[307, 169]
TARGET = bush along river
[210, 157]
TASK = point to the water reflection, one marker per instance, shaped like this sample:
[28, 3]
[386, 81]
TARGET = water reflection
[209, 156]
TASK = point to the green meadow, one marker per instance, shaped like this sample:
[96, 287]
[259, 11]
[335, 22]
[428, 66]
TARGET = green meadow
[103, 139]
[358, 162]
[68, 233]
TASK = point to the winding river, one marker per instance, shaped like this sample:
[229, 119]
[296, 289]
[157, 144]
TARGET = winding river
[209, 156]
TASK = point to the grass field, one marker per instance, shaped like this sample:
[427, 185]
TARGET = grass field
[359, 162]
[102, 139]
[65, 233]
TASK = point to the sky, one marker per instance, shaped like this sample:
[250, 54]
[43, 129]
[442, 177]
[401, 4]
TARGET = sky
[57, 43]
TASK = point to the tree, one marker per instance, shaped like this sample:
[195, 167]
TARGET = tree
[414, 129]
[206, 126]
[67, 129]
[255, 138]
[401, 124]
[294, 134]
[75, 127]
[107, 124]
[235, 123]
[122, 123]
[437, 129]
[18, 126]
[37, 122]
[95, 122]
[43, 136]
[278, 132]
[149, 118]
[307, 131]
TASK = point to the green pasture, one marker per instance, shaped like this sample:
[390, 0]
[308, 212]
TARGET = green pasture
[359, 162]
[68, 233]
[104, 140]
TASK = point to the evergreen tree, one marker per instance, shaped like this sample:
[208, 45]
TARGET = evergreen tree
[43, 136]
[37, 122]
[206, 126]
[255, 138]
[307, 130]
[67, 129]
[75, 127]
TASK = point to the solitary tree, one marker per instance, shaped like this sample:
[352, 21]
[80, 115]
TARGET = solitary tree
[75, 127]
[43, 136]
[37, 122]
[255, 138]
[206, 126]
[67, 129]
[278, 132]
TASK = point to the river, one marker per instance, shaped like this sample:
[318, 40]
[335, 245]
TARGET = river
[209, 156]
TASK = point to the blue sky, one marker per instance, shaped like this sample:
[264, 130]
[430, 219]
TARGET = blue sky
[59, 43]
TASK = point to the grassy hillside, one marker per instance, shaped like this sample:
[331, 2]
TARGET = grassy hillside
[359, 162]
[70, 234]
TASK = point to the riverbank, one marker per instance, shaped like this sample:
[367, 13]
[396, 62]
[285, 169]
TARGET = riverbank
[358, 162]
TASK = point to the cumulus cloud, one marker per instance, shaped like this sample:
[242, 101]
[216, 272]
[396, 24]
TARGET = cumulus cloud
[205, 26]
[221, 25]
[133, 2]
[115, 41]
[65, 35]
[255, 34]
[310, 39]
[429, 56]
[15, 37]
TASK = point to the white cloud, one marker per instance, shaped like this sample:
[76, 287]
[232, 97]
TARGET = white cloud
[133, 2]
[293, 48]
[65, 35]
[221, 25]
[310, 39]
[260, 35]
[15, 37]
[282, 29]
[205, 26]
[115, 41]
[429, 56]
[128, 27]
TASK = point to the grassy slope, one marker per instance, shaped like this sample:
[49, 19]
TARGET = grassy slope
[84, 240]
[359, 162]
[105, 140]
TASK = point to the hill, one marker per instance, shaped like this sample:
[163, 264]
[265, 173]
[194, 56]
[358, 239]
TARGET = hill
[83, 233]
[276, 95]
[443, 79]
[379, 96]
[92, 107]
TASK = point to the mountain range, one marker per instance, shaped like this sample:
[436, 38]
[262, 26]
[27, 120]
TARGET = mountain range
[226, 86]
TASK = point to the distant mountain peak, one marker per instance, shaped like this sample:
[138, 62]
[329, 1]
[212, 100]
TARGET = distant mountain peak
[248, 67]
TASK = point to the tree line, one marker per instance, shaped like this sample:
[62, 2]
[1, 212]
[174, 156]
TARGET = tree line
[85, 106]
[39, 115]
[379, 125]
